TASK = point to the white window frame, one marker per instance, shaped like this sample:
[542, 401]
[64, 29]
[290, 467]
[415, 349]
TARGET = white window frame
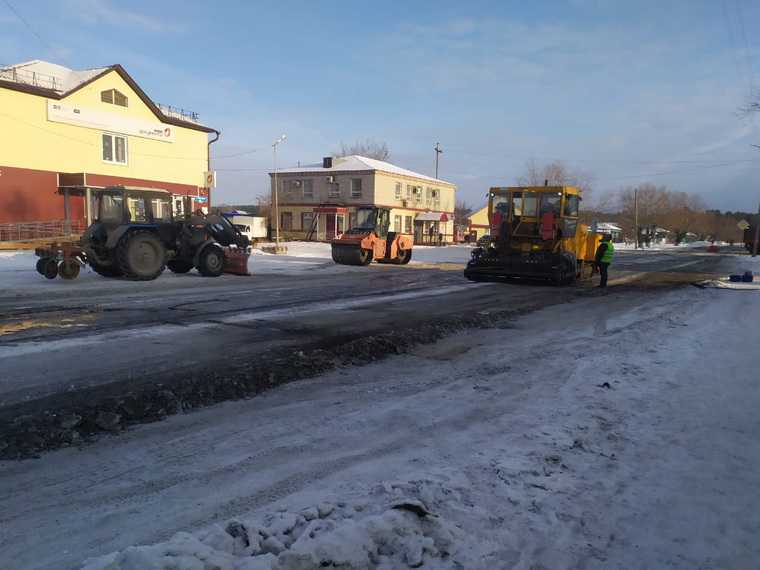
[399, 191]
[398, 222]
[333, 189]
[113, 160]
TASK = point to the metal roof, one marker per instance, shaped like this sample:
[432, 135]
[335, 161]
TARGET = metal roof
[356, 163]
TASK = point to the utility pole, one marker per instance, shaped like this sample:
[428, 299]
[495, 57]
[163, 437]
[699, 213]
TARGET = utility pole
[276, 211]
[636, 215]
[757, 233]
[438, 151]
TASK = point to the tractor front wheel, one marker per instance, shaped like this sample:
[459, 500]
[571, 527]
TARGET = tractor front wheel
[211, 261]
[68, 269]
[141, 255]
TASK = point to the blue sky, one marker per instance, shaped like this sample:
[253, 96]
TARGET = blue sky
[629, 92]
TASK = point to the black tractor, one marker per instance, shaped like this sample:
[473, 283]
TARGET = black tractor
[136, 236]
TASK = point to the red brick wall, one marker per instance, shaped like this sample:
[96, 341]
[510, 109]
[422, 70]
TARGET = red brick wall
[30, 196]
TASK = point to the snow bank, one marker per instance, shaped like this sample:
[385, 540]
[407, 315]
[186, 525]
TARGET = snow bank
[420, 254]
[669, 246]
[726, 284]
[301, 249]
[397, 528]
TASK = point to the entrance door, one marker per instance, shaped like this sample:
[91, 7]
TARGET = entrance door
[330, 228]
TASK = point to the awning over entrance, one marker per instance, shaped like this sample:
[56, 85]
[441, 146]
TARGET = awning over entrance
[330, 210]
[432, 217]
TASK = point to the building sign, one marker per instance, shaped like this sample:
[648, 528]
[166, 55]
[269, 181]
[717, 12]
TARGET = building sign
[104, 121]
[209, 179]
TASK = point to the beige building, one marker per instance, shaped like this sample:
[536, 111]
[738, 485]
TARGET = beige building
[319, 202]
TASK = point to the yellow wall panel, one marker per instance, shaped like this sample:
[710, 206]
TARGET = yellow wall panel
[29, 140]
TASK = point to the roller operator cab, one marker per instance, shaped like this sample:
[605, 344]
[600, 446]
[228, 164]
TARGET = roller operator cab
[370, 239]
[535, 234]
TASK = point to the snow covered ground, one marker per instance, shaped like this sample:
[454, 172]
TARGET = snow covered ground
[17, 267]
[617, 432]
[669, 246]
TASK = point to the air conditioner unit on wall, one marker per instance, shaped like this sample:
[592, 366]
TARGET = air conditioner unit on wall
[404, 203]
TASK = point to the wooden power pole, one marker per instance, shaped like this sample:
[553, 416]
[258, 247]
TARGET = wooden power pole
[757, 233]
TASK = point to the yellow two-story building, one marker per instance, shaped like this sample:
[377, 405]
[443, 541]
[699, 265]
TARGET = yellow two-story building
[319, 201]
[64, 132]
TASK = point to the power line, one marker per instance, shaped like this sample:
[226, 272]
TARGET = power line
[608, 160]
[239, 154]
[27, 24]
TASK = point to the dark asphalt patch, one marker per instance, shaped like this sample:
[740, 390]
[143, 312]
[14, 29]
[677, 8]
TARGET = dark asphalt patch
[73, 418]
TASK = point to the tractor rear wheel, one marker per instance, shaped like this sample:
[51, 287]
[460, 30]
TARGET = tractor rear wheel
[179, 266]
[40, 266]
[68, 269]
[211, 261]
[141, 255]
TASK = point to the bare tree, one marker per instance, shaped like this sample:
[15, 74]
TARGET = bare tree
[556, 173]
[369, 148]
[264, 205]
[462, 212]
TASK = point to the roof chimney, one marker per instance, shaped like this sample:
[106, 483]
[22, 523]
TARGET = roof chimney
[327, 162]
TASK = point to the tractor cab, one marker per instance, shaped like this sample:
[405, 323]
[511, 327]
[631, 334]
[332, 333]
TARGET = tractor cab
[119, 205]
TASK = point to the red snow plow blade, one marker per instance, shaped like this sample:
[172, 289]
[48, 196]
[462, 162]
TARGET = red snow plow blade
[236, 260]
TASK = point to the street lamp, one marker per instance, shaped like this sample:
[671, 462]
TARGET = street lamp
[277, 247]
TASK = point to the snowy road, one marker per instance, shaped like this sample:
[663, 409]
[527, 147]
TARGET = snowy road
[511, 433]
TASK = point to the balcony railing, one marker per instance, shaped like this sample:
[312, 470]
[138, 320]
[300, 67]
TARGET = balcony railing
[21, 75]
[179, 113]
